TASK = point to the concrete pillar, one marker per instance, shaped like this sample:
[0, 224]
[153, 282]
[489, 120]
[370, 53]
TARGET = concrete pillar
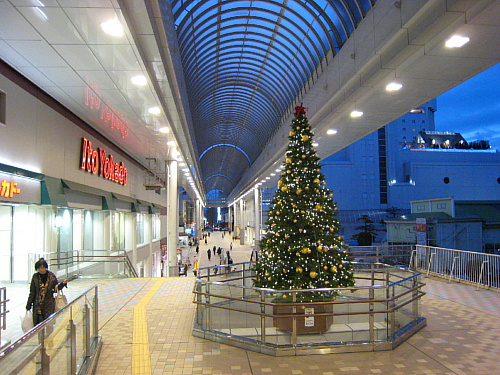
[257, 210]
[242, 222]
[172, 219]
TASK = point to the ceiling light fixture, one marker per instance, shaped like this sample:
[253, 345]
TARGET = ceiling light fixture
[456, 41]
[112, 27]
[139, 80]
[331, 131]
[393, 86]
[356, 113]
[171, 143]
[154, 110]
[164, 129]
[315, 144]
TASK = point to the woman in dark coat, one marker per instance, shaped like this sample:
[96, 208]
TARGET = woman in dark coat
[43, 285]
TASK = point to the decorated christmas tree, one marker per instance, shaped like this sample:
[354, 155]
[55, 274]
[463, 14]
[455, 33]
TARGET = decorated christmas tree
[302, 248]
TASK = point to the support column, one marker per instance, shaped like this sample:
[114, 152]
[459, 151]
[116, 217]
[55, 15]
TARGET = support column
[242, 222]
[257, 218]
[230, 219]
[172, 219]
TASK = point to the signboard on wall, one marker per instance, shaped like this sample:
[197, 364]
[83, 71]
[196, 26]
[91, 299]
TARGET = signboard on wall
[421, 227]
[17, 189]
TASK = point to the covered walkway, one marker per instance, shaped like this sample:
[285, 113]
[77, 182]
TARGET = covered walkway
[146, 328]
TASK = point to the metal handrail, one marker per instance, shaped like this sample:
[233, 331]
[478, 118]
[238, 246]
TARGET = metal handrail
[3, 311]
[41, 332]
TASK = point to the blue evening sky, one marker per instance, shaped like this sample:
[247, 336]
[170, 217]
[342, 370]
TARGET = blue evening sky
[473, 108]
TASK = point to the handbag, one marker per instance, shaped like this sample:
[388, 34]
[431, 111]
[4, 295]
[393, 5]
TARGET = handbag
[27, 321]
[61, 300]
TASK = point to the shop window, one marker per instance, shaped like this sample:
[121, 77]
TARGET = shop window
[141, 228]
[3, 108]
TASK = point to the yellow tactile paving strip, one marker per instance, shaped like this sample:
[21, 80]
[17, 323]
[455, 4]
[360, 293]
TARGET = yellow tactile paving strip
[460, 339]
[141, 363]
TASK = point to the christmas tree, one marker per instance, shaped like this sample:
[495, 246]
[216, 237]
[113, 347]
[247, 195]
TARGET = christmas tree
[302, 248]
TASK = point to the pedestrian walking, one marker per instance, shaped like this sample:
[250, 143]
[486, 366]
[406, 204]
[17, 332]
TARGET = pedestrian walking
[209, 253]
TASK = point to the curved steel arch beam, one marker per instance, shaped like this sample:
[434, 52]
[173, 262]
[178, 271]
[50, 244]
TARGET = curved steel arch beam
[298, 69]
[226, 145]
[278, 15]
[219, 175]
[266, 81]
[299, 37]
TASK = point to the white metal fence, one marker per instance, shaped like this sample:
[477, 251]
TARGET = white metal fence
[477, 268]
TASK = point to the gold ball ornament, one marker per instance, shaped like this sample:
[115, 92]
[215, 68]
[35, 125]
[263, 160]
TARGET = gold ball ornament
[313, 274]
[277, 234]
[287, 236]
[269, 278]
[295, 220]
[298, 128]
[300, 230]
[325, 267]
[297, 253]
[323, 183]
[305, 137]
[320, 248]
[318, 207]
[280, 183]
[333, 269]
[304, 156]
[297, 180]
[340, 265]
[292, 133]
[316, 181]
[284, 188]
[299, 191]
[277, 213]
[289, 171]
[288, 160]
[330, 195]
[299, 269]
[307, 187]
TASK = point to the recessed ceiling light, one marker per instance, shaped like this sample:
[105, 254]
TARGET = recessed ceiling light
[356, 113]
[393, 86]
[171, 143]
[273, 174]
[164, 129]
[278, 170]
[315, 144]
[154, 110]
[112, 27]
[139, 80]
[456, 41]
[331, 131]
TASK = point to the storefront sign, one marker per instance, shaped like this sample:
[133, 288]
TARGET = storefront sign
[99, 162]
[8, 189]
[18, 189]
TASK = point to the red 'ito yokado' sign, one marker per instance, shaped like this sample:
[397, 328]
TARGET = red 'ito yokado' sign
[98, 161]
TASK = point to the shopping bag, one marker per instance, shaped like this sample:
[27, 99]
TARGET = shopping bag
[27, 321]
[61, 300]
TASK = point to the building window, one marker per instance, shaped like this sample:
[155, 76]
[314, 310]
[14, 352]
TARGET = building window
[446, 180]
[441, 206]
[420, 207]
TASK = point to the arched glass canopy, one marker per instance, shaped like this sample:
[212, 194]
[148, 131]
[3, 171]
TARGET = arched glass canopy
[245, 63]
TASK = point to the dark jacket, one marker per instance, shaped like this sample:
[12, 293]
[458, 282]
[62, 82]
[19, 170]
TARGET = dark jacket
[49, 302]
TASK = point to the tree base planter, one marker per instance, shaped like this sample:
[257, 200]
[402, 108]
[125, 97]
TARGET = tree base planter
[378, 316]
[307, 320]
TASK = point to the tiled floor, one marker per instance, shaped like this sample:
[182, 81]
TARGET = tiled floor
[462, 335]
